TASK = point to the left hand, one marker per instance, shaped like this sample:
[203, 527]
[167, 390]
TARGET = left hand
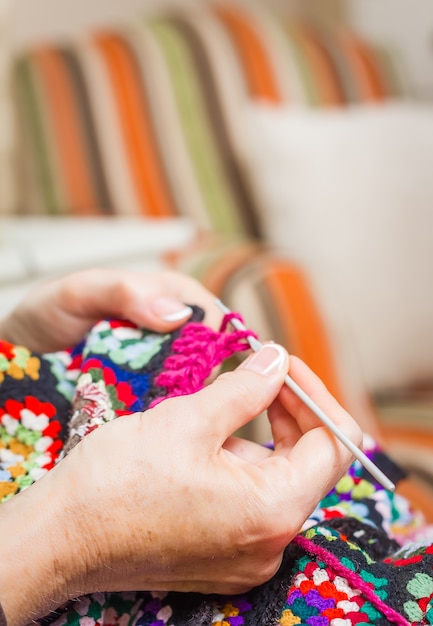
[57, 314]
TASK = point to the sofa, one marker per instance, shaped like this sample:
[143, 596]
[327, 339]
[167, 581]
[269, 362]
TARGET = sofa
[154, 119]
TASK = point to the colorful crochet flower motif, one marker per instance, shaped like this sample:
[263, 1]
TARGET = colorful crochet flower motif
[139, 608]
[420, 586]
[420, 610]
[66, 368]
[355, 496]
[230, 613]
[115, 355]
[119, 388]
[320, 597]
[17, 362]
[99, 398]
[96, 399]
[123, 343]
[29, 443]
[158, 613]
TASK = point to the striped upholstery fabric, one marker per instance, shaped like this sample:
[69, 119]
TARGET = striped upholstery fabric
[146, 119]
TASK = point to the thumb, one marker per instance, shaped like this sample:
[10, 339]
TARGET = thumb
[237, 397]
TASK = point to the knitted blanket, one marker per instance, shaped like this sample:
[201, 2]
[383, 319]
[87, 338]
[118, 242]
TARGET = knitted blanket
[360, 558]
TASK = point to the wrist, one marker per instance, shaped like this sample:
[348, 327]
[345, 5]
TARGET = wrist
[38, 568]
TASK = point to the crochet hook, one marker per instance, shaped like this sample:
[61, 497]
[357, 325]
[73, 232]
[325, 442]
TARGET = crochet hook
[375, 471]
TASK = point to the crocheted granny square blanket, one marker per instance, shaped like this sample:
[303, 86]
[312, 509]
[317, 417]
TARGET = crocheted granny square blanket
[355, 561]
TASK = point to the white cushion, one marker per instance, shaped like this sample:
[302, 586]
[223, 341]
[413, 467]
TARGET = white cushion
[348, 193]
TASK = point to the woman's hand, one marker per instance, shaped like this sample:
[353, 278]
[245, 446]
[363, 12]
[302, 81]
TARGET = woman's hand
[169, 500]
[57, 314]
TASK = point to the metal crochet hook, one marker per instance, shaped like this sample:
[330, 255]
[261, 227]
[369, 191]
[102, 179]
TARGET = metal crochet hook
[377, 473]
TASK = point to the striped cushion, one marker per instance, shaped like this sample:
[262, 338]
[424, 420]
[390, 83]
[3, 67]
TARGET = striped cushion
[146, 119]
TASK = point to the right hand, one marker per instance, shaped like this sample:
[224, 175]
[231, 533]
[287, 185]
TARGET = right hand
[170, 500]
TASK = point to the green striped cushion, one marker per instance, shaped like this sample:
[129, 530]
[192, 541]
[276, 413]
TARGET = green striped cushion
[147, 118]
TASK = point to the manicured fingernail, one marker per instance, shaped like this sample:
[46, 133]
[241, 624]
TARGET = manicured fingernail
[171, 309]
[269, 359]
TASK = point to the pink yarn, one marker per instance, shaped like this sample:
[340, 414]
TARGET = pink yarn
[195, 353]
[234, 316]
[351, 577]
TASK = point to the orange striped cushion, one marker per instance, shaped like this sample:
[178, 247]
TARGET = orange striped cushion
[93, 118]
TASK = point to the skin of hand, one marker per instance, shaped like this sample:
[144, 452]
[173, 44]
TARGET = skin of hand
[168, 499]
[58, 313]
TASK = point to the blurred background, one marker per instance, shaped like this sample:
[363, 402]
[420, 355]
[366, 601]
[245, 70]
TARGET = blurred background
[280, 151]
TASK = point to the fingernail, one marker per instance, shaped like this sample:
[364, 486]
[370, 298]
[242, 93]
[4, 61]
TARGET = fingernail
[170, 309]
[269, 359]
